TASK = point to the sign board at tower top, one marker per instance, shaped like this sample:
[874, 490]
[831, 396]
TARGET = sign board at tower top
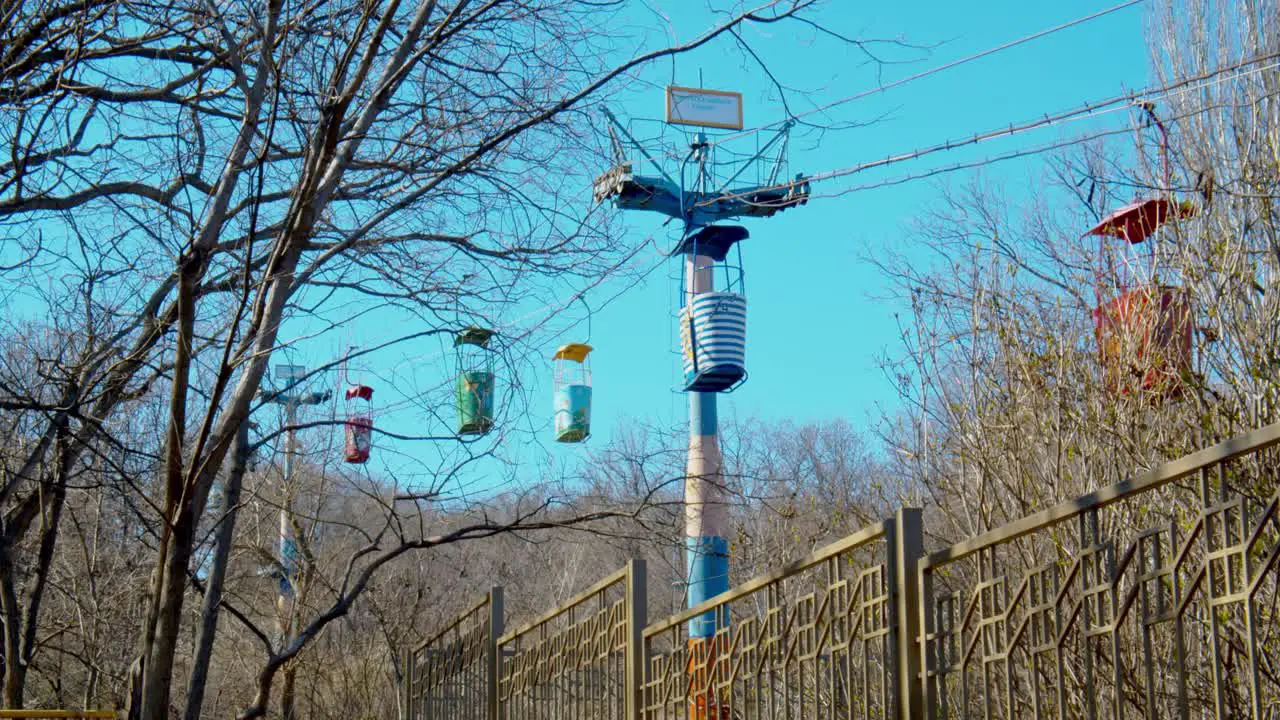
[290, 373]
[704, 108]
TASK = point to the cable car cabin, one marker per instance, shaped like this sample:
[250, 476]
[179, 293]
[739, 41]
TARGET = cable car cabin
[1144, 335]
[359, 424]
[713, 323]
[572, 393]
[1144, 341]
[1136, 222]
[475, 381]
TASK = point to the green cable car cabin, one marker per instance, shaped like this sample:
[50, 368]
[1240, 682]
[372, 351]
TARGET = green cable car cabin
[475, 380]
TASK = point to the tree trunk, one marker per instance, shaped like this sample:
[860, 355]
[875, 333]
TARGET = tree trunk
[15, 683]
[48, 541]
[160, 635]
[158, 675]
[14, 670]
[287, 711]
[213, 589]
[19, 628]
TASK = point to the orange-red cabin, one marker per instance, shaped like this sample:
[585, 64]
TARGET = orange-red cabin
[1144, 340]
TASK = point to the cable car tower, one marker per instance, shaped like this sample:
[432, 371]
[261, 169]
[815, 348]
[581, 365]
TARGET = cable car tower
[707, 187]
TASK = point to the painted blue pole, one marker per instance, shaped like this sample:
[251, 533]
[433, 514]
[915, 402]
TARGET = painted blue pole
[706, 515]
[706, 548]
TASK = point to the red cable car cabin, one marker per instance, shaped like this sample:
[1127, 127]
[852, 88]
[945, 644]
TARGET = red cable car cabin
[1144, 340]
[1144, 334]
[359, 424]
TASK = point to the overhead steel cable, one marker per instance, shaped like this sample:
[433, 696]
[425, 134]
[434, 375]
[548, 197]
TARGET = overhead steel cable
[934, 70]
[1036, 150]
[1087, 110]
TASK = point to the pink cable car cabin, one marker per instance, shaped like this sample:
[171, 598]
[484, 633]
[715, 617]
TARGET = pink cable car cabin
[359, 424]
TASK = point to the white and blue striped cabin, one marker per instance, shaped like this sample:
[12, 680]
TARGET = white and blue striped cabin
[714, 343]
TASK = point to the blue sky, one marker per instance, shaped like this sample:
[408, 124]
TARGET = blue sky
[816, 327]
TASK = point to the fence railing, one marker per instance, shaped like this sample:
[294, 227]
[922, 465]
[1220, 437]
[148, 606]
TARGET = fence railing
[453, 674]
[1096, 607]
[816, 638]
[580, 660]
[7, 714]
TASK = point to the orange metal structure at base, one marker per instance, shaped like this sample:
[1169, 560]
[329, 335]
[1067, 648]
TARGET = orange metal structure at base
[708, 669]
[1144, 340]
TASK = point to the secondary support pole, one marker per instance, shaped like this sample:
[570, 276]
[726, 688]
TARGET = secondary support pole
[288, 559]
[289, 566]
[706, 548]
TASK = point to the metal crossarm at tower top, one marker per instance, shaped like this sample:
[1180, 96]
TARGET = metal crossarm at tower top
[630, 191]
[698, 204]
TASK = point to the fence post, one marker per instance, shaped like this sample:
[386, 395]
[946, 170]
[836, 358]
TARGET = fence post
[907, 547]
[406, 686]
[637, 594]
[928, 626]
[494, 660]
